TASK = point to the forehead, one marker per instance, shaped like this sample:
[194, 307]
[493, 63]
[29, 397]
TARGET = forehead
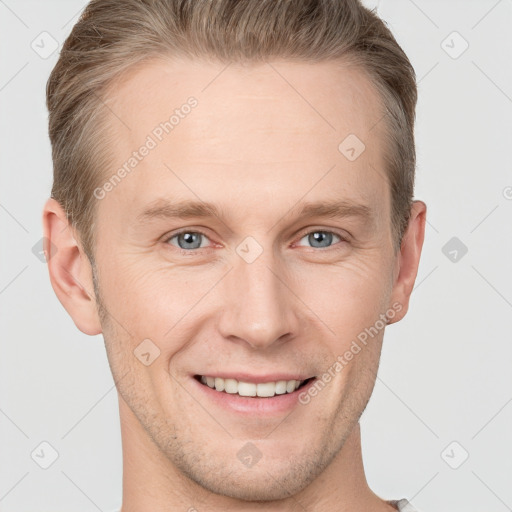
[273, 128]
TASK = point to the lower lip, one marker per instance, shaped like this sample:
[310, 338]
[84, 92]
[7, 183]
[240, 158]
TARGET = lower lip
[277, 404]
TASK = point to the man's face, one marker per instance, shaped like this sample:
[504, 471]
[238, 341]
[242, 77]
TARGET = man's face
[259, 290]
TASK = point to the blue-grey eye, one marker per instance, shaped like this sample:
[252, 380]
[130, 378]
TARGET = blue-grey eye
[188, 239]
[322, 238]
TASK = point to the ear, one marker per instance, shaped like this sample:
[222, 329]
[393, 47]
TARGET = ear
[70, 269]
[408, 259]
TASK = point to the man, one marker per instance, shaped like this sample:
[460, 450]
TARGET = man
[232, 209]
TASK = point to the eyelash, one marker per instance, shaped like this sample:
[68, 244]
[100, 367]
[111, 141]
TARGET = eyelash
[303, 235]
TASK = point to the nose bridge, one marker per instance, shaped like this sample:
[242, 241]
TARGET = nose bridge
[259, 307]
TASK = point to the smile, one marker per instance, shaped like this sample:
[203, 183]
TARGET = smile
[251, 389]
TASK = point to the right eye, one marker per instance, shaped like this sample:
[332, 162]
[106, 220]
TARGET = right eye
[187, 240]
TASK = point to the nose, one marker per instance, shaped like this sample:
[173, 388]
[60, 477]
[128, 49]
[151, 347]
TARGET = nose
[259, 307]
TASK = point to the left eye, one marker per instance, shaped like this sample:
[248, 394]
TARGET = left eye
[321, 239]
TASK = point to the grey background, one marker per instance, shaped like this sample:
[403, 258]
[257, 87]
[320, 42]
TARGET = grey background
[444, 388]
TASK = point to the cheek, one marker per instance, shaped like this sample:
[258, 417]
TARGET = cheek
[144, 305]
[138, 291]
[348, 296]
[156, 301]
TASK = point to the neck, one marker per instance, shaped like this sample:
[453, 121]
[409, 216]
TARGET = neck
[152, 483]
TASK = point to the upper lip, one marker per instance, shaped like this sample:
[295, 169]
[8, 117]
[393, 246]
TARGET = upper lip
[257, 379]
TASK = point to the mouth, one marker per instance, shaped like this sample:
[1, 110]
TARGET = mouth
[251, 389]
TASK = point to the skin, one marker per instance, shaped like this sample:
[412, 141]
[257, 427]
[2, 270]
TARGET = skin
[255, 148]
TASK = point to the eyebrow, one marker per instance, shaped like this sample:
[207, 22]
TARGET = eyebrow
[164, 209]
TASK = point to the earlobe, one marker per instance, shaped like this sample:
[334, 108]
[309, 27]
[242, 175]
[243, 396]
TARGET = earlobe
[69, 268]
[408, 259]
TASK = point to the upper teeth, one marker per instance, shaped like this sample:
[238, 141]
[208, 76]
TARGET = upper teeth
[266, 389]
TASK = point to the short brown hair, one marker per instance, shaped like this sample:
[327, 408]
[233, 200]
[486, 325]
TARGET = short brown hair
[111, 36]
